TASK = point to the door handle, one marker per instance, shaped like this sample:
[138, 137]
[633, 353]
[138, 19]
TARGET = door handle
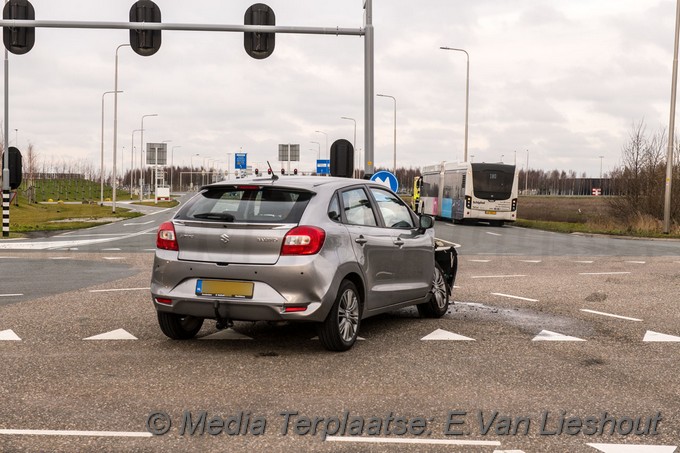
[399, 242]
[361, 240]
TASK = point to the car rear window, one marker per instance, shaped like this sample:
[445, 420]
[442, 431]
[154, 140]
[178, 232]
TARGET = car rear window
[249, 204]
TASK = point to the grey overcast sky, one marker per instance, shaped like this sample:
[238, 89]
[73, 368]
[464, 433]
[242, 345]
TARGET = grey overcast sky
[564, 80]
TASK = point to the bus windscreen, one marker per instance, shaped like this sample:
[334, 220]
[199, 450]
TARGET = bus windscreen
[493, 181]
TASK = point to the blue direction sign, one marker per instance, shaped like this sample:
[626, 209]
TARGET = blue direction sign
[387, 179]
[323, 167]
[241, 161]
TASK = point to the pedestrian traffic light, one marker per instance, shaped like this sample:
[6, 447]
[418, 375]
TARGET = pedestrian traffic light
[295, 171]
[269, 171]
[257, 172]
[18, 40]
[145, 42]
[259, 45]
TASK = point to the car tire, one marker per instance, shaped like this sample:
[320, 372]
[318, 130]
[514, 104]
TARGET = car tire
[179, 327]
[438, 298]
[340, 329]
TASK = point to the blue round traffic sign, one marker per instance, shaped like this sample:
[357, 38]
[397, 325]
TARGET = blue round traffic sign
[387, 179]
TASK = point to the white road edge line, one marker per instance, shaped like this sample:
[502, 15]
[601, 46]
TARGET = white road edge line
[56, 432]
[603, 273]
[392, 440]
[515, 297]
[611, 315]
[118, 289]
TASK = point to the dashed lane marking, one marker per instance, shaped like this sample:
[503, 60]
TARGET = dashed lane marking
[493, 234]
[515, 297]
[530, 261]
[603, 273]
[118, 289]
[11, 295]
[113, 249]
[584, 262]
[479, 261]
[610, 315]
[636, 262]
[497, 276]
[114, 257]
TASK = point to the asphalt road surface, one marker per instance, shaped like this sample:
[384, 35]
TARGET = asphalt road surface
[550, 337]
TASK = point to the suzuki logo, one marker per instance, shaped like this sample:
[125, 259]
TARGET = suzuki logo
[224, 238]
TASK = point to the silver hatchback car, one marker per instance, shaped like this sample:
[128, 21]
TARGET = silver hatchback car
[332, 251]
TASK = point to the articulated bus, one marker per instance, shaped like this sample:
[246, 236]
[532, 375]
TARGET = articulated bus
[475, 191]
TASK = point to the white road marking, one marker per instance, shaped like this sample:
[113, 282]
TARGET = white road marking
[497, 276]
[479, 261]
[114, 249]
[636, 262]
[448, 242]
[584, 262]
[659, 337]
[603, 273]
[9, 257]
[445, 335]
[11, 295]
[226, 334]
[141, 223]
[55, 432]
[118, 289]
[515, 297]
[149, 250]
[9, 335]
[547, 335]
[394, 440]
[67, 245]
[118, 334]
[619, 448]
[493, 234]
[610, 315]
[530, 261]
[317, 339]
[60, 257]
[114, 257]
[71, 235]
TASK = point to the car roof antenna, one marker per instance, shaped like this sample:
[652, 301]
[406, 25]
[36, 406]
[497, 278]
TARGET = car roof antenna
[274, 176]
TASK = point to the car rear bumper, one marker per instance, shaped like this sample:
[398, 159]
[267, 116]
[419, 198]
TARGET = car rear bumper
[297, 282]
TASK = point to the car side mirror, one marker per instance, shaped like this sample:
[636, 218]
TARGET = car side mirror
[426, 222]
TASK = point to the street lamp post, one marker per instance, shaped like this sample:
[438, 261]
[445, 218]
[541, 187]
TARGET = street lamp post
[467, 94]
[101, 165]
[172, 164]
[192, 168]
[321, 132]
[671, 128]
[132, 161]
[395, 129]
[141, 159]
[526, 176]
[115, 126]
[318, 152]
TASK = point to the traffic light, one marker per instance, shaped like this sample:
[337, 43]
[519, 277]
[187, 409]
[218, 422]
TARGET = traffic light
[15, 168]
[283, 171]
[295, 171]
[18, 40]
[257, 172]
[259, 45]
[145, 42]
[269, 171]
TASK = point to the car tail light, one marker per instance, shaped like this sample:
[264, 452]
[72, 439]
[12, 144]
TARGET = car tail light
[294, 309]
[161, 300]
[166, 238]
[303, 240]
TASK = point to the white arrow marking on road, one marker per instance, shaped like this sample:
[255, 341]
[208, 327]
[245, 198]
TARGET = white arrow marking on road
[226, 334]
[610, 315]
[118, 334]
[9, 335]
[659, 337]
[618, 448]
[546, 335]
[515, 297]
[445, 335]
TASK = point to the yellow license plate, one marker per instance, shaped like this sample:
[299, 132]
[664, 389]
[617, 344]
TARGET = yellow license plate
[490, 212]
[223, 288]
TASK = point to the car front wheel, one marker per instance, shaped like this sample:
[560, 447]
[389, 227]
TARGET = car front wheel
[438, 301]
[339, 331]
[179, 327]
